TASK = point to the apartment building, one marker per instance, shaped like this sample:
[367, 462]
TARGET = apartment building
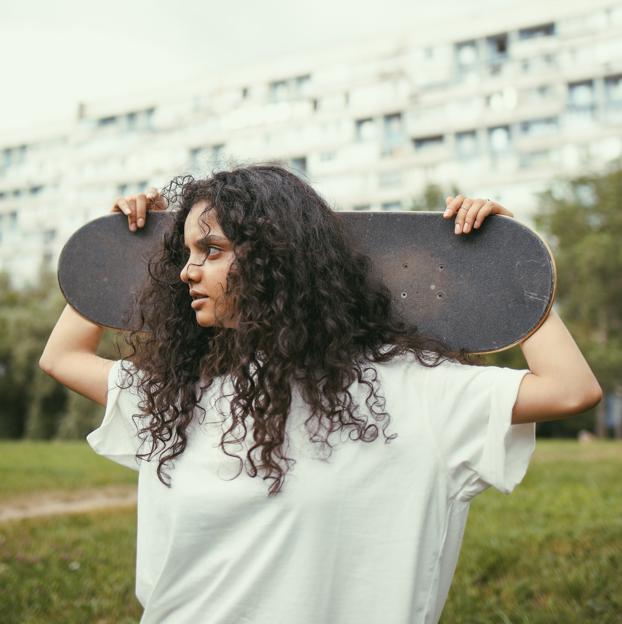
[500, 106]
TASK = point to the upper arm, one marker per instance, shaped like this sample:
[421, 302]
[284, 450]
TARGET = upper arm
[85, 373]
[540, 399]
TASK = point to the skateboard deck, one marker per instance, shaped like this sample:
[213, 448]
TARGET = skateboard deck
[484, 291]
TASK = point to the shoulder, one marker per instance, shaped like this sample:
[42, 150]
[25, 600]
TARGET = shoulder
[408, 367]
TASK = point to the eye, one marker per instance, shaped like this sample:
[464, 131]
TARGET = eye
[206, 250]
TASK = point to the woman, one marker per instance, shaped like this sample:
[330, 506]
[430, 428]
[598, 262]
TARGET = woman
[275, 354]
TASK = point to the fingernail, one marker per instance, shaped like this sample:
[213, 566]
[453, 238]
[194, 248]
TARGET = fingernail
[457, 228]
[133, 227]
[446, 213]
[141, 222]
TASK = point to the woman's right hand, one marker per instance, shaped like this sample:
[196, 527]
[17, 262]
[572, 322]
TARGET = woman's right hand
[137, 206]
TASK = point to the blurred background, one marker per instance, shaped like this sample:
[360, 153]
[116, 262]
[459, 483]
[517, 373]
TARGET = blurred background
[381, 107]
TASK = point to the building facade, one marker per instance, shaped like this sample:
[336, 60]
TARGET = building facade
[499, 106]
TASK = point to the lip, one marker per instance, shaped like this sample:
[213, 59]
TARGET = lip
[197, 302]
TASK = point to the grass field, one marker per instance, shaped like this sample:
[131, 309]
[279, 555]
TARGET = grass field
[551, 552]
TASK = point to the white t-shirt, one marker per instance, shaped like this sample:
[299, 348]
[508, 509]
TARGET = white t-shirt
[371, 536]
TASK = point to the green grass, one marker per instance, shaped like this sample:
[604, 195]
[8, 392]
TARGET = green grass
[73, 569]
[28, 467]
[551, 552]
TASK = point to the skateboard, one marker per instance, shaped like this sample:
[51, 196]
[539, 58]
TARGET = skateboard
[482, 292]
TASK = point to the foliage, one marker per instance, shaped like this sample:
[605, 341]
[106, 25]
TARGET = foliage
[32, 404]
[432, 198]
[582, 221]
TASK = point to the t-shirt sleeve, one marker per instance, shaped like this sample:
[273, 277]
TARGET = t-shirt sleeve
[117, 436]
[470, 413]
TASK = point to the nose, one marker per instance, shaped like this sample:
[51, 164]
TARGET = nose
[186, 276]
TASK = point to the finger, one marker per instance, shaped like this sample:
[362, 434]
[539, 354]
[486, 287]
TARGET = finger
[141, 209]
[155, 201]
[485, 210]
[119, 206]
[464, 208]
[499, 209]
[448, 200]
[130, 201]
[472, 214]
[453, 206]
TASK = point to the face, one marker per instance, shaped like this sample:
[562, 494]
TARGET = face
[207, 267]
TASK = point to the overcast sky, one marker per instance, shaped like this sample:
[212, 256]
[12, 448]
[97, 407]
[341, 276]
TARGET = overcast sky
[55, 53]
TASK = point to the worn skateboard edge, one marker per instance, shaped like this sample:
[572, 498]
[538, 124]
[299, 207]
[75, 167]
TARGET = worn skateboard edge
[549, 305]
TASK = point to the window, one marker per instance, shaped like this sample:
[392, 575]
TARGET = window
[14, 155]
[613, 88]
[542, 30]
[393, 128]
[284, 89]
[361, 207]
[497, 47]
[106, 121]
[131, 121]
[539, 127]
[148, 117]
[467, 144]
[302, 83]
[279, 90]
[299, 163]
[581, 92]
[425, 143]
[581, 97]
[365, 129]
[466, 54]
[499, 138]
[393, 205]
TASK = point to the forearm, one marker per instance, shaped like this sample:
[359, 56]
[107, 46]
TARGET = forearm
[72, 333]
[552, 353]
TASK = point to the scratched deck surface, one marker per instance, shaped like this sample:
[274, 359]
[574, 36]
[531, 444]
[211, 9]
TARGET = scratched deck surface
[483, 291]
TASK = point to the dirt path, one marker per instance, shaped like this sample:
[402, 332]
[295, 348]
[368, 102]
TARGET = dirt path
[77, 501]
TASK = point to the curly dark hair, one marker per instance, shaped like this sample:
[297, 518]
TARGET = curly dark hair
[310, 311]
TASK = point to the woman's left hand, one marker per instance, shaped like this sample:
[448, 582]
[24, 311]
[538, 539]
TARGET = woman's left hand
[471, 212]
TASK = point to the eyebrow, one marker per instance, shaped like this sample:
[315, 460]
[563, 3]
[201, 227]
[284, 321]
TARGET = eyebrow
[210, 238]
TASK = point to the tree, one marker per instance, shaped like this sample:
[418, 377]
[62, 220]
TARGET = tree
[582, 221]
[432, 198]
[32, 404]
